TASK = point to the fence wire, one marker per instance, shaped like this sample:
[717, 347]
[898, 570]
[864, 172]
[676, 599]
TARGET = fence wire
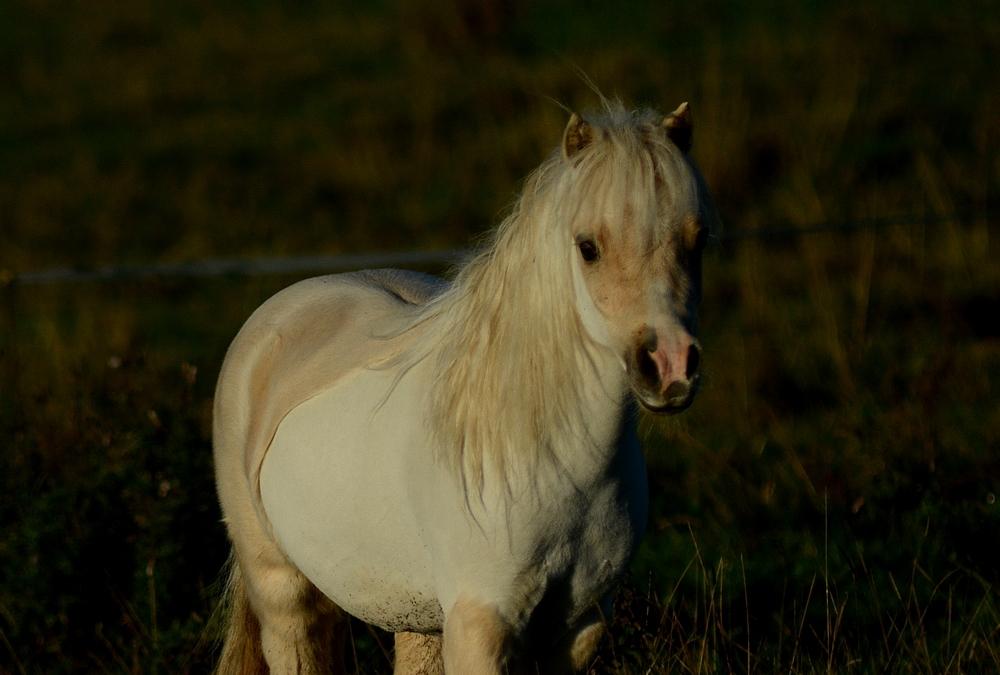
[328, 264]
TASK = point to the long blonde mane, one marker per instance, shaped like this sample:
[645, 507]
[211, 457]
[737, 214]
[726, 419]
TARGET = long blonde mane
[509, 346]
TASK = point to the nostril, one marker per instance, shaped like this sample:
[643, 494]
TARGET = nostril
[647, 367]
[693, 361]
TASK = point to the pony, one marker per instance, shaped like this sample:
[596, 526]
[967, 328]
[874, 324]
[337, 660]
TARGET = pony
[457, 463]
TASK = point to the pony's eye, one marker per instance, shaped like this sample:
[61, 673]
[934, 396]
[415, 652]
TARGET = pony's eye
[589, 251]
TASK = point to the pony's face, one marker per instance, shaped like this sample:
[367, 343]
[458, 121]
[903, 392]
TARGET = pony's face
[638, 249]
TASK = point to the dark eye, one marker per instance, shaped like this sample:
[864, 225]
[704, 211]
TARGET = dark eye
[589, 251]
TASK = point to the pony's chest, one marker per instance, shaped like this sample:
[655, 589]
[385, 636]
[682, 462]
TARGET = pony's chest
[581, 551]
[595, 551]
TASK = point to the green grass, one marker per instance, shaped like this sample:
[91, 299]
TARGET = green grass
[828, 504]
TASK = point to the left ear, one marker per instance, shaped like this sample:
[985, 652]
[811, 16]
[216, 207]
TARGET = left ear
[577, 136]
[679, 127]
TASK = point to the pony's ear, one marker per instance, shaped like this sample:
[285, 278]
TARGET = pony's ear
[577, 136]
[678, 126]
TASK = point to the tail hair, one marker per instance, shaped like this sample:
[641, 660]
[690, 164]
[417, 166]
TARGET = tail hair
[241, 647]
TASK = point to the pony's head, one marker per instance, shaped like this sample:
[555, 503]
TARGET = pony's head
[601, 253]
[640, 217]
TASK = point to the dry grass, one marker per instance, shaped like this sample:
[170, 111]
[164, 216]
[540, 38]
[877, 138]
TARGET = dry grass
[715, 628]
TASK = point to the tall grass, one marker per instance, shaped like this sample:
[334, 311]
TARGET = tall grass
[870, 622]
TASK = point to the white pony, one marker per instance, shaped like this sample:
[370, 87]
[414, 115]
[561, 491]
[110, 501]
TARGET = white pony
[457, 463]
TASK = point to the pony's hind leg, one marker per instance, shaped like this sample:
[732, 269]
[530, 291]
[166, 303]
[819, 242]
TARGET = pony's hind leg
[279, 621]
[418, 654]
[301, 631]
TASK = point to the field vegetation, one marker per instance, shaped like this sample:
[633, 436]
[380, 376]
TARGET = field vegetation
[829, 504]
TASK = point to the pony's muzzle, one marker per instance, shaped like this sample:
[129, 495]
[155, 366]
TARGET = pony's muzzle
[679, 364]
[668, 372]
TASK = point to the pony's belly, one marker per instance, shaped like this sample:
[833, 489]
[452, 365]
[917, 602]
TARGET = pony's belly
[393, 610]
[333, 488]
[382, 599]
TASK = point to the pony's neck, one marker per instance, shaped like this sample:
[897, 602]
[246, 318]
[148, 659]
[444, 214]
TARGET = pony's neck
[521, 383]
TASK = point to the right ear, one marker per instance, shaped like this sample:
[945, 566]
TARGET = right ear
[679, 127]
[577, 136]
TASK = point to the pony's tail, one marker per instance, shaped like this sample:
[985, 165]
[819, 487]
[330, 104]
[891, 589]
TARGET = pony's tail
[241, 648]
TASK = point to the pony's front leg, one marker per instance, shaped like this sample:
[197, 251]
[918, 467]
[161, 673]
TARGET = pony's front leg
[584, 645]
[575, 650]
[475, 639]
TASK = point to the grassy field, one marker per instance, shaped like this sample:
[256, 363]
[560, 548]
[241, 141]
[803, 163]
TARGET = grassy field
[829, 504]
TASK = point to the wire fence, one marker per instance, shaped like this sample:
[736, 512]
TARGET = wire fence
[328, 264]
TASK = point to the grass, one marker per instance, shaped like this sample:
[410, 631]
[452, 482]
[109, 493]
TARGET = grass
[827, 505]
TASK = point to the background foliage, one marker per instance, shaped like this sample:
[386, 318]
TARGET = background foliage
[829, 503]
